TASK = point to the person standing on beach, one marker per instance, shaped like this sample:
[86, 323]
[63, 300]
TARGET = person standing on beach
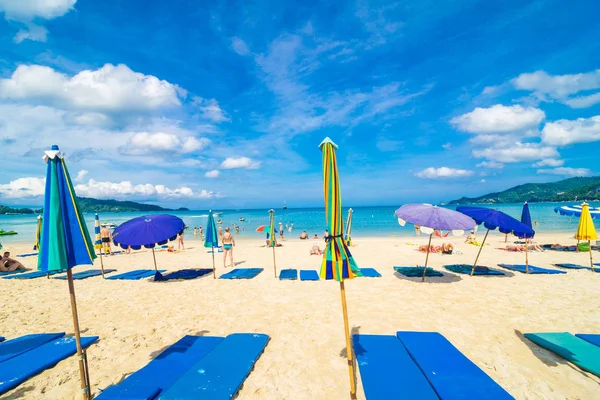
[180, 244]
[417, 230]
[200, 233]
[237, 229]
[106, 236]
[280, 230]
[220, 233]
[195, 232]
[228, 243]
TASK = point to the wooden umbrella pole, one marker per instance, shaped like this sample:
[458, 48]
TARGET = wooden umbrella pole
[349, 352]
[154, 257]
[479, 252]
[214, 269]
[83, 373]
[274, 264]
[101, 264]
[426, 258]
[526, 255]
[591, 259]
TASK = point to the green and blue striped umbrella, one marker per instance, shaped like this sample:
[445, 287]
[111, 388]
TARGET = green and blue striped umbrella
[211, 238]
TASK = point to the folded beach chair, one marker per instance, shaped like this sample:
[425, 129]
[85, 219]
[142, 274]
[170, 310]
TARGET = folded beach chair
[466, 269]
[87, 274]
[135, 275]
[416, 272]
[33, 275]
[370, 273]
[387, 371]
[288, 274]
[18, 369]
[588, 337]
[242, 273]
[309, 275]
[451, 373]
[574, 349]
[13, 347]
[184, 274]
[532, 269]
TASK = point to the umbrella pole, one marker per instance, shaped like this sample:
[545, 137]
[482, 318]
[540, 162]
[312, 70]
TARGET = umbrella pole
[83, 373]
[526, 256]
[214, 270]
[101, 264]
[274, 264]
[349, 352]
[154, 257]
[479, 252]
[591, 260]
[426, 258]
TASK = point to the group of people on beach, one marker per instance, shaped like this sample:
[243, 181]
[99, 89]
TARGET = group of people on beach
[8, 264]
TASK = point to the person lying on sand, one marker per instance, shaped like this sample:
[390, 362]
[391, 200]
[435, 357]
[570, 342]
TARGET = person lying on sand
[7, 264]
[521, 248]
[316, 250]
[432, 249]
[447, 248]
[304, 235]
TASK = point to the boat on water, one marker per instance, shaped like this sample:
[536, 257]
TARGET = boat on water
[217, 214]
[109, 225]
[220, 221]
[284, 206]
[6, 233]
[242, 219]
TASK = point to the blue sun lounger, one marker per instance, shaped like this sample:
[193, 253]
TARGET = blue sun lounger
[13, 347]
[222, 372]
[27, 255]
[288, 274]
[451, 373]
[387, 371]
[33, 275]
[241, 273]
[370, 273]
[184, 274]
[570, 266]
[309, 275]
[591, 338]
[15, 272]
[18, 369]
[86, 274]
[576, 350]
[416, 272]
[2, 339]
[135, 275]
[532, 269]
[466, 269]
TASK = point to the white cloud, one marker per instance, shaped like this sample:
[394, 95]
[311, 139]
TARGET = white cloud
[239, 46]
[447, 146]
[27, 10]
[443, 172]
[550, 162]
[499, 119]
[490, 164]
[240, 162]
[81, 175]
[23, 187]
[210, 109]
[566, 171]
[212, 174]
[517, 153]
[483, 181]
[142, 143]
[33, 32]
[108, 89]
[564, 132]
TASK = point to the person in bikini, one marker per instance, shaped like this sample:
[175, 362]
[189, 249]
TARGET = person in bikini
[7, 264]
[228, 243]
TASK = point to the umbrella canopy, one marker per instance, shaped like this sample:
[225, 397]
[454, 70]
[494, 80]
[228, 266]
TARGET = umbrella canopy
[212, 235]
[38, 233]
[264, 228]
[148, 231]
[493, 219]
[271, 226]
[97, 236]
[585, 229]
[349, 228]
[434, 217]
[526, 220]
[577, 210]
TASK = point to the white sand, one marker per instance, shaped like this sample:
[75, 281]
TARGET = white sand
[483, 316]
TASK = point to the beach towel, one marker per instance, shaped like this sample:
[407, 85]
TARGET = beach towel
[413, 272]
[309, 275]
[571, 266]
[532, 269]
[164, 370]
[450, 372]
[18, 369]
[221, 373]
[588, 337]
[466, 269]
[241, 273]
[387, 371]
[370, 273]
[87, 274]
[27, 255]
[33, 275]
[135, 275]
[288, 274]
[13, 347]
[17, 271]
[183, 274]
[578, 351]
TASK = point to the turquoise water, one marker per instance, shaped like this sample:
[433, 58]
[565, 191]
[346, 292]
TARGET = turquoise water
[367, 221]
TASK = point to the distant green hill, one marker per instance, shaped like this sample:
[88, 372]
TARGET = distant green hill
[87, 204]
[581, 188]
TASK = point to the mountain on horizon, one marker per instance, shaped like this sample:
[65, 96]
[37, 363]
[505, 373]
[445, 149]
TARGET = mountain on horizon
[88, 204]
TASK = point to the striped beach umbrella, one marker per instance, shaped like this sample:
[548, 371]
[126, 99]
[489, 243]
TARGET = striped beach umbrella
[586, 230]
[349, 228]
[576, 211]
[38, 233]
[272, 239]
[98, 240]
[65, 241]
[211, 238]
[337, 263]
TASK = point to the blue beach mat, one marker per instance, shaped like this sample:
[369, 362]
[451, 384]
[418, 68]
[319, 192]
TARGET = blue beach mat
[416, 272]
[222, 372]
[450, 372]
[86, 274]
[33, 275]
[466, 269]
[370, 273]
[18, 369]
[387, 371]
[571, 266]
[164, 370]
[27, 255]
[591, 338]
[532, 269]
[184, 274]
[241, 273]
[578, 351]
[288, 274]
[13, 347]
[309, 275]
[17, 271]
[2, 338]
[135, 275]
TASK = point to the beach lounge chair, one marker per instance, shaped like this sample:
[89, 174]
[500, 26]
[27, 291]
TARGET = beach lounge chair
[87, 274]
[569, 266]
[13, 347]
[574, 349]
[588, 337]
[532, 269]
[416, 272]
[370, 273]
[15, 272]
[466, 269]
[33, 275]
[242, 273]
[184, 274]
[288, 274]
[18, 369]
[450, 372]
[135, 275]
[27, 255]
[309, 275]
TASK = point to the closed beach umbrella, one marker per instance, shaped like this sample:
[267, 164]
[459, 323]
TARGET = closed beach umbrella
[98, 240]
[337, 263]
[38, 233]
[435, 218]
[148, 231]
[212, 238]
[577, 210]
[526, 220]
[272, 240]
[586, 230]
[493, 219]
[349, 228]
[65, 241]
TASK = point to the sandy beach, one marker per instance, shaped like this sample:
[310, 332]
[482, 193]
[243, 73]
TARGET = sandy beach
[483, 316]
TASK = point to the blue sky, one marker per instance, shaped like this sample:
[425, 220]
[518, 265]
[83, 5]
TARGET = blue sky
[223, 104]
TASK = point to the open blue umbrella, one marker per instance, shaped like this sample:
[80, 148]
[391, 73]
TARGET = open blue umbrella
[433, 217]
[65, 241]
[212, 237]
[148, 231]
[575, 211]
[493, 219]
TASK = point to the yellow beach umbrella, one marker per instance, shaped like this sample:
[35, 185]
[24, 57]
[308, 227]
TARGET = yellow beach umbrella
[586, 230]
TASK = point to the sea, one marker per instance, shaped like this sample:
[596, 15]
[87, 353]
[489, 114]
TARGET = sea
[376, 221]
